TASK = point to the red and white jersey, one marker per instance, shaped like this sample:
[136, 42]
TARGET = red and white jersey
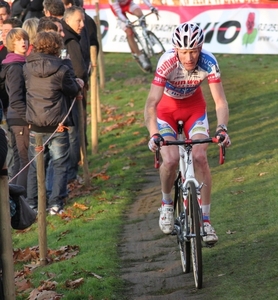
[180, 83]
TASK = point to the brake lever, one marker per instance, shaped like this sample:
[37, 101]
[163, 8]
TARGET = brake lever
[222, 154]
[156, 159]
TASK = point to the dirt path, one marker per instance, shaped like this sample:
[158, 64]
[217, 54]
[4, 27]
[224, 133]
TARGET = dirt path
[151, 260]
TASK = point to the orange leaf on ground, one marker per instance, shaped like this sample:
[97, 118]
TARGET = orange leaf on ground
[80, 206]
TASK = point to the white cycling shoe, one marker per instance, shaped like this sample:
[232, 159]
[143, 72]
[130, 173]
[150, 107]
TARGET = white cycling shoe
[144, 63]
[166, 218]
[211, 237]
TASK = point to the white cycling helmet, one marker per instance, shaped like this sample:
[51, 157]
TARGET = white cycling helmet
[187, 36]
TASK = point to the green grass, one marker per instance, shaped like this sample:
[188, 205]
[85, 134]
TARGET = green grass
[244, 264]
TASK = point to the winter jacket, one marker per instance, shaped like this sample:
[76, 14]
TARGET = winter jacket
[34, 8]
[49, 86]
[92, 31]
[3, 94]
[15, 86]
[72, 44]
[3, 149]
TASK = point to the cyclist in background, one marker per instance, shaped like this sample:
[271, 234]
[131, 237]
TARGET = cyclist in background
[175, 94]
[120, 8]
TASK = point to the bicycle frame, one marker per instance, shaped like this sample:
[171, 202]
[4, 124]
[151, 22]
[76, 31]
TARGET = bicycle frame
[188, 175]
[147, 41]
[140, 23]
[189, 225]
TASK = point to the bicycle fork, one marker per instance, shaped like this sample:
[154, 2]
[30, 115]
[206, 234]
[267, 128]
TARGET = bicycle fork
[183, 223]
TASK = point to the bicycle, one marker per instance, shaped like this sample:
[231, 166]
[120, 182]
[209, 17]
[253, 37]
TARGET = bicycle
[189, 226]
[148, 43]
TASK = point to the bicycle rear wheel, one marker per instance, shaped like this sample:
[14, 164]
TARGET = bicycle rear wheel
[181, 220]
[195, 241]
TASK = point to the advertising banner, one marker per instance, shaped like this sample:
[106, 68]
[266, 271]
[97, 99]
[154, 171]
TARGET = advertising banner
[229, 28]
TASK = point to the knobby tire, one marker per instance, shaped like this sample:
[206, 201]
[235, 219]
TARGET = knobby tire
[196, 243]
[141, 47]
[155, 49]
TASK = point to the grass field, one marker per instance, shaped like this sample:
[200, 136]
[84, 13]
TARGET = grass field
[244, 208]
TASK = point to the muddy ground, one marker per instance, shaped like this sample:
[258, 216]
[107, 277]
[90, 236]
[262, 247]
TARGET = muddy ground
[151, 260]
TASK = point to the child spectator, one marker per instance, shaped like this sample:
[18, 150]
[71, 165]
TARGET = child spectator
[17, 42]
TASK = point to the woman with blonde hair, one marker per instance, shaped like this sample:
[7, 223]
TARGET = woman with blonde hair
[31, 26]
[17, 41]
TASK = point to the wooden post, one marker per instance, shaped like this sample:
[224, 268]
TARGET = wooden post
[100, 54]
[81, 127]
[99, 117]
[6, 241]
[94, 105]
[41, 201]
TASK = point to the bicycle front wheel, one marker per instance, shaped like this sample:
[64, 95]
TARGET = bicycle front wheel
[141, 48]
[195, 241]
[181, 221]
[156, 49]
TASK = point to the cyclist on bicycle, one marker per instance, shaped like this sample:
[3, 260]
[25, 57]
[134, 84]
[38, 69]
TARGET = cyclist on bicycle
[120, 8]
[175, 94]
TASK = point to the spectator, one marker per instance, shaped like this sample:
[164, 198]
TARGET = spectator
[17, 11]
[73, 24]
[56, 21]
[33, 9]
[49, 86]
[91, 28]
[17, 44]
[47, 26]
[54, 8]
[5, 12]
[31, 26]
[7, 26]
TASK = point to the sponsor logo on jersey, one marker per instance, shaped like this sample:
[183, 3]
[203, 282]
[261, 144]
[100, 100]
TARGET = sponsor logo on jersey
[167, 66]
[199, 129]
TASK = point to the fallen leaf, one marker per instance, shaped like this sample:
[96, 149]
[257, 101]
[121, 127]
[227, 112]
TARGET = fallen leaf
[236, 192]
[239, 179]
[73, 284]
[80, 206]
[263, 173]
[44, 295]
[230, 232]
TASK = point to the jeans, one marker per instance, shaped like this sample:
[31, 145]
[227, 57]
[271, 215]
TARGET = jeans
[20, 135]
[56, 177]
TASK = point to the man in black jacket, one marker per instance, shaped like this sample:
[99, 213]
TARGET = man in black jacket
[73, 24]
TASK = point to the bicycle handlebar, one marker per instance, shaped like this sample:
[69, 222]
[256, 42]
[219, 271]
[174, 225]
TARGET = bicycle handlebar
[191, 142]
